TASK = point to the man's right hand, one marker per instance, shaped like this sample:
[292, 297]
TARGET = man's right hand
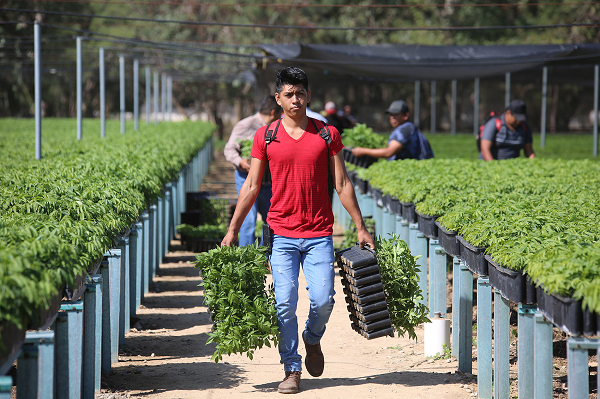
[229, 239]
[244, 164]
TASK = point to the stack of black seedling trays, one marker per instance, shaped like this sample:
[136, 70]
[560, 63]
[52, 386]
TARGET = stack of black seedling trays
[364, 292]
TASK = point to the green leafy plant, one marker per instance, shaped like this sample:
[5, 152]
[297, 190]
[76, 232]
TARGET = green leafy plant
[363, 136]
[246, 148]
[401, 284]
[204, 231]
[242, 306]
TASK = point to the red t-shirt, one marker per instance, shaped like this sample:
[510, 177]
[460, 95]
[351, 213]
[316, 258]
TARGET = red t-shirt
[300, 205]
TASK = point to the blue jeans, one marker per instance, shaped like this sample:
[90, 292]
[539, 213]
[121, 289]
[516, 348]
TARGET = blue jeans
[262, 205]
[317, 259]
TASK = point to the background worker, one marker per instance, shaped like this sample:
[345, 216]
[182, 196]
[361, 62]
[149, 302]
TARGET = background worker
[300, 217]
[404, 142]
[268, 111]
[505, 137]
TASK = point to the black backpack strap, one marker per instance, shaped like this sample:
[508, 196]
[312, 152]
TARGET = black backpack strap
[271, 135]
[323, 132]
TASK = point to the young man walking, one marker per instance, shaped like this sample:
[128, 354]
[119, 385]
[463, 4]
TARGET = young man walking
[301, 218]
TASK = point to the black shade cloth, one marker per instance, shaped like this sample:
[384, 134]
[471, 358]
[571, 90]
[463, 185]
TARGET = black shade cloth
[417, 62]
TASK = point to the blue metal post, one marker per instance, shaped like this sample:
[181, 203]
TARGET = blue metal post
[168, 225]
[148, 95]
[417, 116]
[35, 378]
[453, 110]
[433, 104]
[124, 291]
[145, 252]
[5, 385]
[156, 90]
[507, 89]
[398, 230]
[136, 243]
[181, 187]
[68, 355]
[433, 255]
[465, 324]
[174, 207]
[154, 240]
[418, 247]
[455, 305]
[159, 231]
[110, 309]
[578, 379]
[542, 357]
[439, 290]
[484, 338]
[476, 108]
[404, 232]
[501, 346]
[92, 336]
[525, 352]
[389, 223]
[136, 95]
[544, 98]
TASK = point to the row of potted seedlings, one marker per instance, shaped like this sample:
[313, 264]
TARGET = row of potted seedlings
[498, 216]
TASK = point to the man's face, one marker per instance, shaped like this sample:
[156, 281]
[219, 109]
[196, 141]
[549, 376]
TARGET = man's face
[510, 119]
[398, 119]
[293, 100]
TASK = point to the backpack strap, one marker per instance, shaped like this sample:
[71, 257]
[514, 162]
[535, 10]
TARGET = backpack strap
[323, 132]
[271, 135]
[498, 123]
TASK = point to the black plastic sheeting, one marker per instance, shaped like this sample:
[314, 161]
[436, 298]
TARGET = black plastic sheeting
[397, 62]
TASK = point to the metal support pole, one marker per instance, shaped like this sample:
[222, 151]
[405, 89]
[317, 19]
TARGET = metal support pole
[68, 354]
[35, 378]
[596, 67]
[418, 247]
[79, 84]
[501, 346]
[476, 109]
[439, 290]
[399, 221]
[433, 101]
[544, 98]
[455, 305]
[465, 323]
[507, 89]
[148, 95]
[163, 96]
[102, 94]
[169, 228]
[578, 379]
[525, 352]
[154, 239]
[145, 252]
[453, 111]
[111, 288]
[92, 336]
[159, 234]
[124, 290]
[542, 357]
[37, 75]
[484, 338]
[404, 232]
[170, 97]
[136, 95]
[136, 244]
[6, 383]
[433, 244]
[388, 224]
[156, 90]
[417, 117]
[122, 90]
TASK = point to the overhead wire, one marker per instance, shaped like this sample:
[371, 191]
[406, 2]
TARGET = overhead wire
[306, 27]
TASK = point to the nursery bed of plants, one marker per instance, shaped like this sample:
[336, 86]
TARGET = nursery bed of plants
[59, 215]
[537, 216]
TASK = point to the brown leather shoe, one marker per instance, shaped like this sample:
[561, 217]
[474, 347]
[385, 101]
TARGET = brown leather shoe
[315, 363]
[291, 382]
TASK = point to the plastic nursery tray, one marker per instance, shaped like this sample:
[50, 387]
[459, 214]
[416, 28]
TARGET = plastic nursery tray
[427, 225]
[364, 293]
[201, 244]
[564, 313]
[448, 240]
[387, 202]
[396, 206]
[363, 185]
[195, 201]
[473, 257]
[408, 212]
[510, 283]
[377, 196]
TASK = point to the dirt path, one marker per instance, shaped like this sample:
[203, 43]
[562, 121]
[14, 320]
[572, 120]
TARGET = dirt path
[166, 355]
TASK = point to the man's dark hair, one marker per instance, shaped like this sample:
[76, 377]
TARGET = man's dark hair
[290, 76]
[268, 104]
